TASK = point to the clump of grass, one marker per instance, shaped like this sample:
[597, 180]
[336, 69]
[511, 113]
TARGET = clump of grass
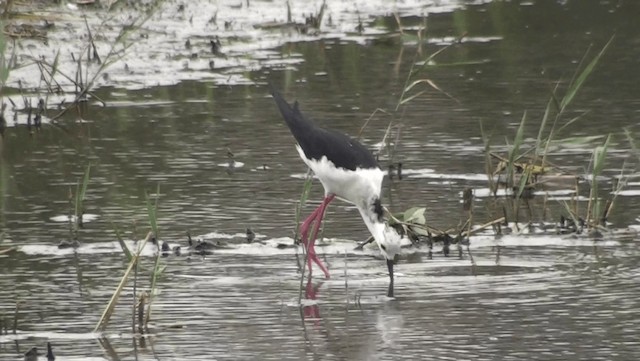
[145, 300]
[158, 270]
[81, 191]
[6, 325]
[108, 311]
[518, 172]
[77, 205]
[523, 167]
[84, 79]
[311, 24]
[412, 222]
[595, 210]
[598, 210]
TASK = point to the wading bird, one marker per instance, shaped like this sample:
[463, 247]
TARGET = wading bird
[347, 170]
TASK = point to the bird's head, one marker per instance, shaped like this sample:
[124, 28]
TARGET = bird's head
[389, 243]
[386, 237]
[388, 240]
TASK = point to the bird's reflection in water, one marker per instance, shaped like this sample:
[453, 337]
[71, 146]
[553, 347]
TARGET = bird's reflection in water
[390, 324]
[312, 310]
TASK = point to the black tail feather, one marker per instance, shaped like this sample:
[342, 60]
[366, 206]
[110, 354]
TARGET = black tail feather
[317, 142]
[296, 122]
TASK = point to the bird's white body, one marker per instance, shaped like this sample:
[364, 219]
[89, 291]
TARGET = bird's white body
[356, 187]
[360, 188]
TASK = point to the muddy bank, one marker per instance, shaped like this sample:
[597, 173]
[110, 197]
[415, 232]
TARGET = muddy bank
[62, 52]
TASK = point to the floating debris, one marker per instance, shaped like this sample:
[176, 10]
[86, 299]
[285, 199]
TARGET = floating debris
[251, 236]
[86, 217]
[31, 355]
[68, 244]
[165, 249]
[50, 356]
[27, 30]
[395, 169]
[203, 247]
[216, 47]
[6, 250]
[3, 121]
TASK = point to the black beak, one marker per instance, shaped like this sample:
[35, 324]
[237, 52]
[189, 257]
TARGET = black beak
[390, 268]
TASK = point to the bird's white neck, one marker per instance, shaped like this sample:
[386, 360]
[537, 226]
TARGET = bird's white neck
[388, 239]
[373, 224]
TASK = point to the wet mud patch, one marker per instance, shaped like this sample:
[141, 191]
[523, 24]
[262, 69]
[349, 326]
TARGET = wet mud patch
[62, 53]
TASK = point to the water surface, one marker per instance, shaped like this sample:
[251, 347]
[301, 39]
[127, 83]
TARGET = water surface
[528, 297]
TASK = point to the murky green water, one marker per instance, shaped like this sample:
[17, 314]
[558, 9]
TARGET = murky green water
[526, 298]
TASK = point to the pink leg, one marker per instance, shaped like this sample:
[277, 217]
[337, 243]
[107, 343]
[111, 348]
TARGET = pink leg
[311, 248]
[304, 227]
[316, 216]
[304, 232]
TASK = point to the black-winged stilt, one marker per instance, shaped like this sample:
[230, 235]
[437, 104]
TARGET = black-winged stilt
[347, 170]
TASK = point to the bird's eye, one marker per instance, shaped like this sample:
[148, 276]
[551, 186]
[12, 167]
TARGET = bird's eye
[384, 248]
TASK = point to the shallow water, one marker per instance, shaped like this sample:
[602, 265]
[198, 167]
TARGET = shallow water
[537, 297]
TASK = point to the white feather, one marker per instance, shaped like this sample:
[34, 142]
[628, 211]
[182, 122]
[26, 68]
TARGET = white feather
[357, 187]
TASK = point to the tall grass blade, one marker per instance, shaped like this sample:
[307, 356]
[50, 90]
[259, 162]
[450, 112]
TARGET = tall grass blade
[599, 155]
[152, 214]
[523, 181]
[543, 125]
[571, 213]
[123, 245]
[54, 66]
[81, 191]
[573, 89]
[4, 63]
[632, 142]
[622, 182]
[85, 182]
[515, 149]
[306, 189]
[152, 210]
[487, 159]
[406, 100]
[369, 119]
[413, 71]
[419, 81]
[571, 121]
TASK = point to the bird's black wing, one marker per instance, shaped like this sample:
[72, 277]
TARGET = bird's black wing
[340, 149]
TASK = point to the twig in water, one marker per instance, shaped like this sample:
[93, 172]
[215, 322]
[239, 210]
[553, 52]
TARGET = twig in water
[482, 227]
[15, 316]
